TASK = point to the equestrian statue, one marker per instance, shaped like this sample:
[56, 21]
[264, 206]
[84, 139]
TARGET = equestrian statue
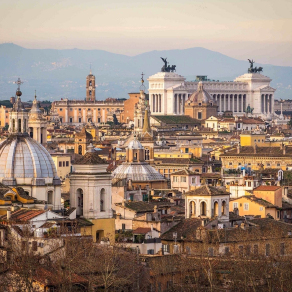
[166, 67]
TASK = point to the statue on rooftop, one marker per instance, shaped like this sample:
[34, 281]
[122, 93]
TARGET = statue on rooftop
[251, 69]
[166, 67]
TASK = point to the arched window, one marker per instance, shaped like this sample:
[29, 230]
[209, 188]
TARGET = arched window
[102, 200]
[19, 125]
[216, 209]
[80, 149]
[50, 197]
[192, 209]
[80, 202]
[147, 154]
[203, 209]
[223, 212]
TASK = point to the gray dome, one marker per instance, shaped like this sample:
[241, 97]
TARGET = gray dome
[135, 144]
[23, 158]
[201, 95]
[141, 171]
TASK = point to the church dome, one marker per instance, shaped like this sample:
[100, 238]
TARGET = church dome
[24, 159]
[135, 144]
[137, 172]
[201, 95]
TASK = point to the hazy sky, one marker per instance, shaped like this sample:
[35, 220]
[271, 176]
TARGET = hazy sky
[258, 29]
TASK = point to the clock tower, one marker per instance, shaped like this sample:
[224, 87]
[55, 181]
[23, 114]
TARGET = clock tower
[90, 87]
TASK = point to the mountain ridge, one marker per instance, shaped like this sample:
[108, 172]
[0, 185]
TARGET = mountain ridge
[59, 74]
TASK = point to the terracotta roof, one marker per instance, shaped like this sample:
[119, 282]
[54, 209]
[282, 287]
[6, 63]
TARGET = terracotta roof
[177, 160]
[260, 151]
[23, 215]
[210, 175]
[141, 206]
[259, 201]
[83, 134]
[246, 120]
[47, 225]
[141, 230]
[90, 158]
[206, 191]
[267, 188]
[184, 172]
[185, 229]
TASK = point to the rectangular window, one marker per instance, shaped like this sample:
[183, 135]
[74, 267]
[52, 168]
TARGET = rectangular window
[183, 179]
[71, 120]
[61, 120]
[247, 249]
[175, 179]
[63, 163]
[246, 207]
[60, 163]
[79, 120]
[255, 249]
[249, 183]
[193, 180]
[268, 249]
[261, 208]
[199, 116]
[123, 226]
[67, 163]
[165, 247]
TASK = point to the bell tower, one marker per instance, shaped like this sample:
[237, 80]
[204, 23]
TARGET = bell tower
[90, 87]
[18, 121]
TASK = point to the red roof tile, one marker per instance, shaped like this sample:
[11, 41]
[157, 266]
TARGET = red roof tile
[267, 188]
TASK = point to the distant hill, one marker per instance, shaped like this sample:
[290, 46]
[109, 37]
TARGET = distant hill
[59, 74]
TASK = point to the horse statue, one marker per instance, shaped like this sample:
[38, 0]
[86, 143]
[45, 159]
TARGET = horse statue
[172, 68]
[258, 70]
[166, 67]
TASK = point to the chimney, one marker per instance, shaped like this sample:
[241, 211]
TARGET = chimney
[8, 214]
[12, 208]
[238, 148]
[284, 149]
[119, 216]
[236, 211]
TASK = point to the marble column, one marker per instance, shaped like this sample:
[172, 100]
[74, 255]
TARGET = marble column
[237, 103]
[264, 104]
[241, 102]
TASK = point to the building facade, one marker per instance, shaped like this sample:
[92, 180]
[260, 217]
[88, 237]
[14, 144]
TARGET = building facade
[168, 92]
[90, 110]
